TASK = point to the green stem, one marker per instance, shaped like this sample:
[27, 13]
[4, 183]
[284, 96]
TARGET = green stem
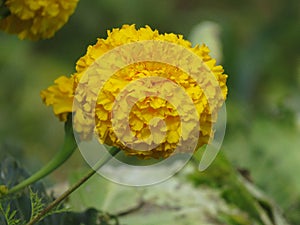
[66, 151]
[113, 151]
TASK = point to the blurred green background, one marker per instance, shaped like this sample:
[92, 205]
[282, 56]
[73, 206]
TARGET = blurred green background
[259, 42]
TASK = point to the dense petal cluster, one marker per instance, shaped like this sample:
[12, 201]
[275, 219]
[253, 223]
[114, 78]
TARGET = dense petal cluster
[153, 119]
[36, 19]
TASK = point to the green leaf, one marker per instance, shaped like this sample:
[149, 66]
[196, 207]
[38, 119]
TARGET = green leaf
[173, 202]
[18, 209]
[101, 194]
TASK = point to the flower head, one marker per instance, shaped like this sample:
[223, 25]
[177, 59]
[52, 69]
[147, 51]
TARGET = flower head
[36, 19]
[154, 117]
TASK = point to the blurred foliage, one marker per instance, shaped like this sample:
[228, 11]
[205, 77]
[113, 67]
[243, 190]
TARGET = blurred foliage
[211, 200]
[218, 196]
[22, 207]
[260, 42]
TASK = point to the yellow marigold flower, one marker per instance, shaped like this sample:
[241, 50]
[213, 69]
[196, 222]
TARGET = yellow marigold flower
[150, 114]
[36, 19]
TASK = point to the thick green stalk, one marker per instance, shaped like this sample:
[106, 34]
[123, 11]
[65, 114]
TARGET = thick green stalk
[66, 151]
[113, 151]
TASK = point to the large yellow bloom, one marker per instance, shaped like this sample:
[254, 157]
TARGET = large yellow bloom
[36, 19]
[141, 122]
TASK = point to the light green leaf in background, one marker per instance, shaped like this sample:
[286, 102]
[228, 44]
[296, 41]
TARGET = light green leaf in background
[174, 202]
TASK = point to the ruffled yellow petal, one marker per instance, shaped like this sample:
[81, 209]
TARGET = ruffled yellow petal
[60, 97]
